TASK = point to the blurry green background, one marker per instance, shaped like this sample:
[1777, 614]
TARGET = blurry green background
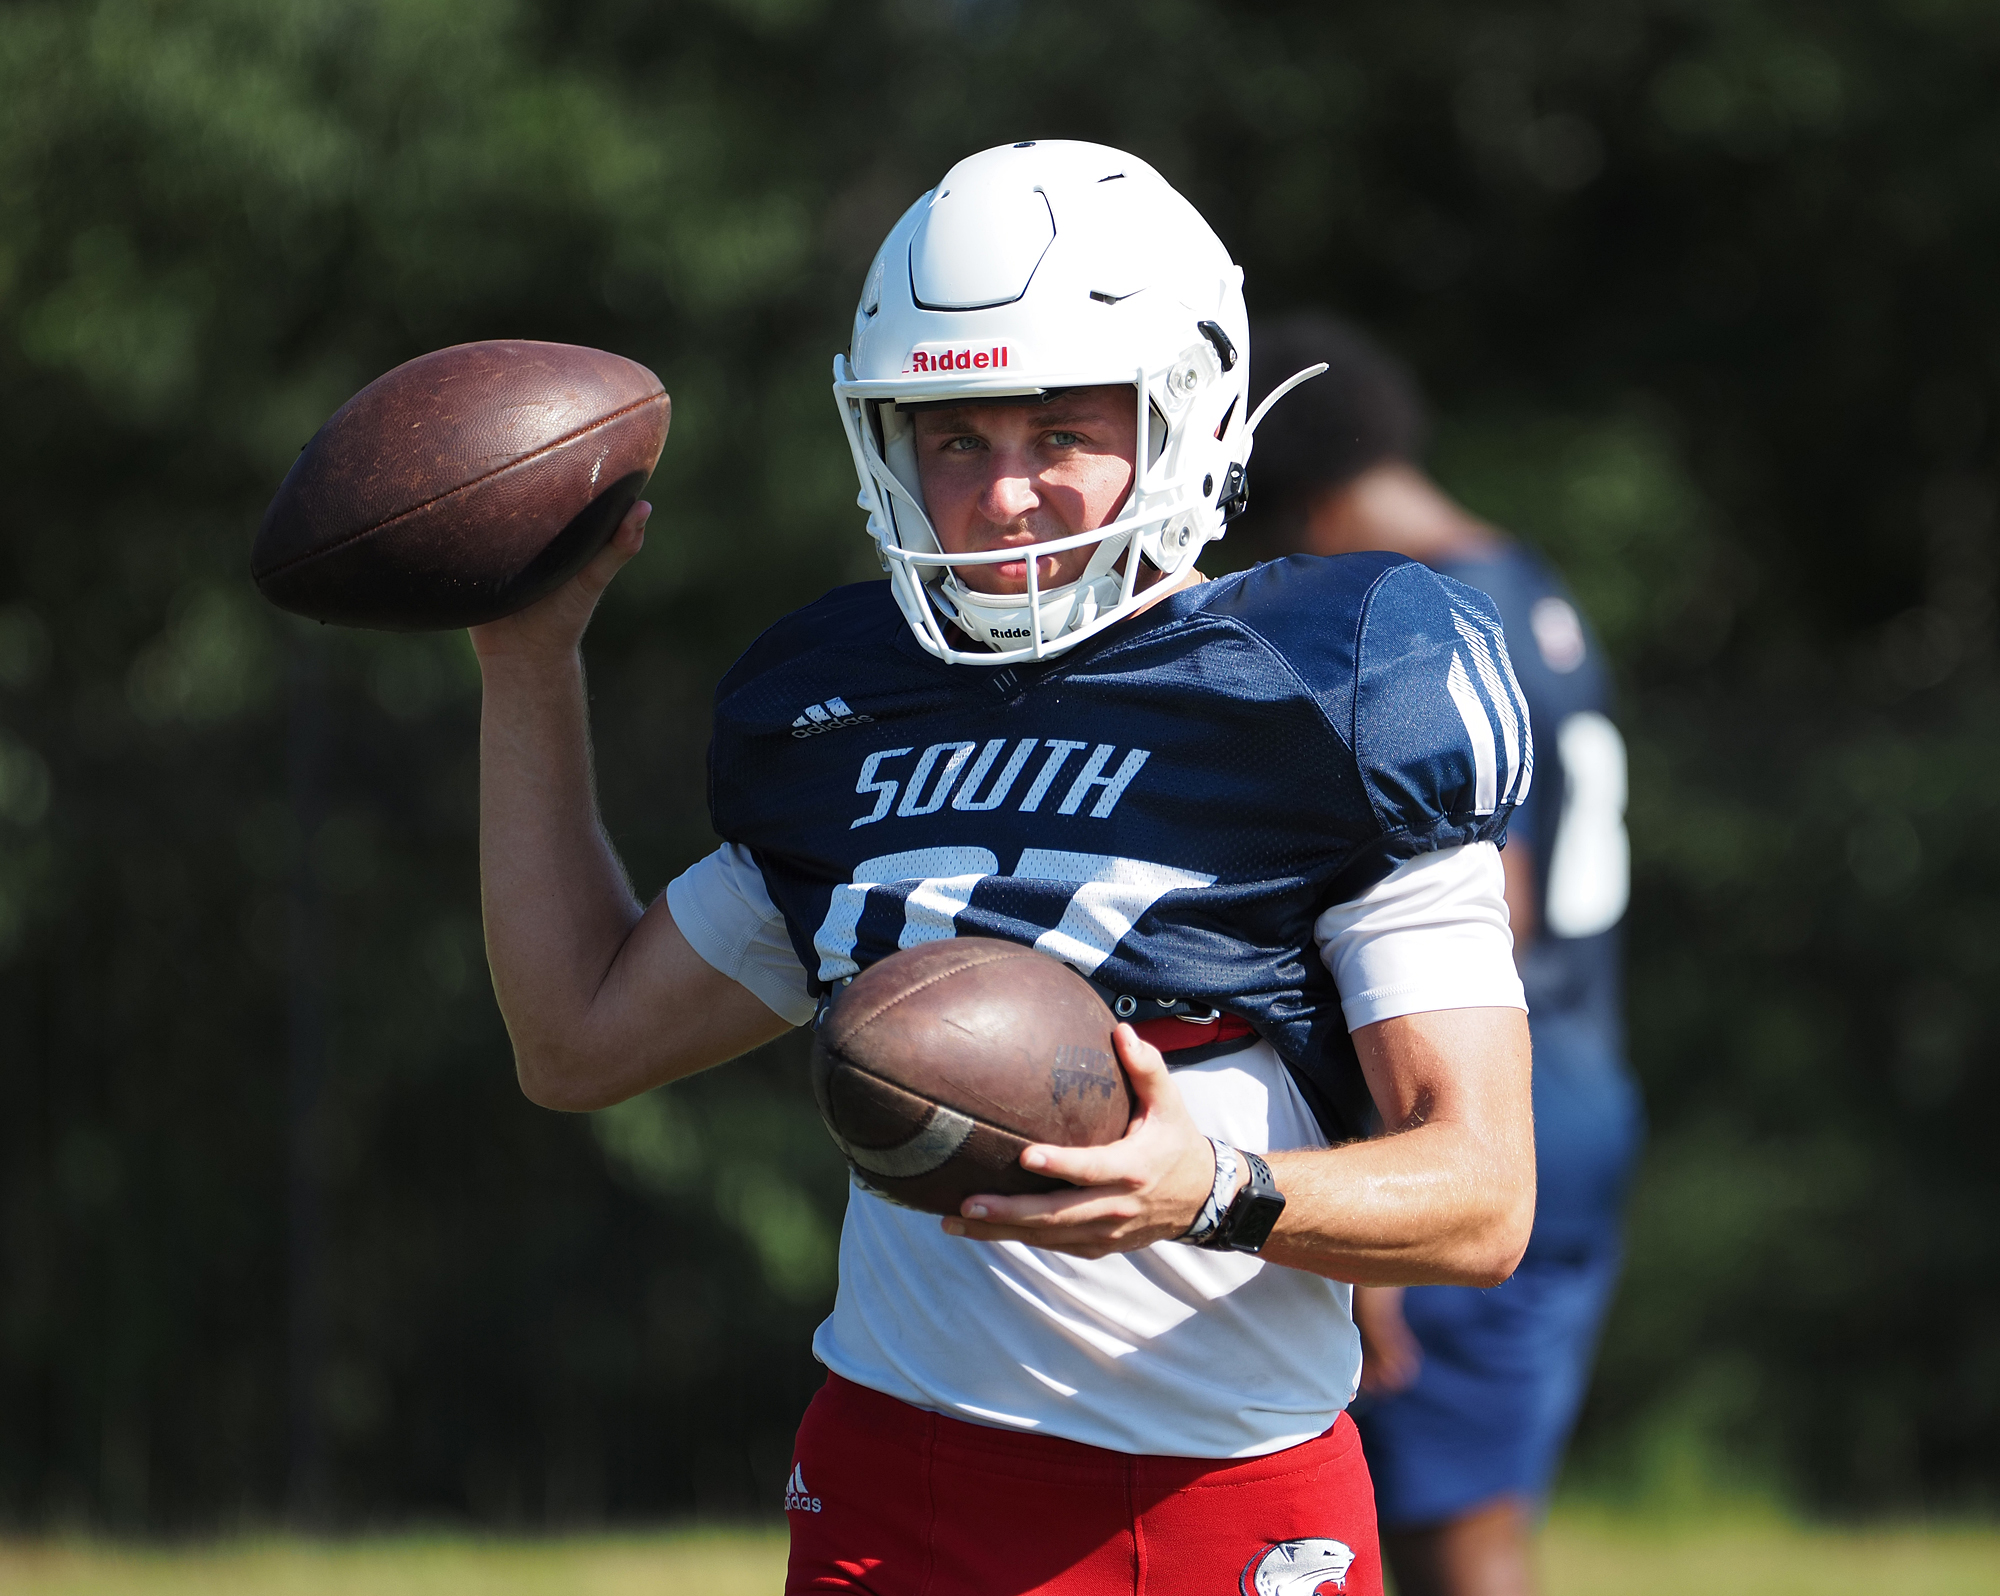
[1704, 291]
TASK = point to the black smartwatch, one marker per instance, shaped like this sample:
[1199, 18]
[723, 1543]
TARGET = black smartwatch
[1246, 1224]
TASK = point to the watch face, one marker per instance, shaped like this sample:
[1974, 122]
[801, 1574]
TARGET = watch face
[1246, 1224]
[1252, 1218]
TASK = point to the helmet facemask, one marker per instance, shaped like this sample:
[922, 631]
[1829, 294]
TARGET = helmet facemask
[1043, 620]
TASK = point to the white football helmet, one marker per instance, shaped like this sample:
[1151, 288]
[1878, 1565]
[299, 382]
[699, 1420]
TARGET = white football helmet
[1031, 268]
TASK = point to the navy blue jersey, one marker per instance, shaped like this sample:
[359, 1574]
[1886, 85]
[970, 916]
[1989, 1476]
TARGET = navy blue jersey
[1168, 806]
[1561, 672]
[1588, 1119]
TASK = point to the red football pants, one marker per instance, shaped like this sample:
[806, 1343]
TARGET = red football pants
[890, 1500]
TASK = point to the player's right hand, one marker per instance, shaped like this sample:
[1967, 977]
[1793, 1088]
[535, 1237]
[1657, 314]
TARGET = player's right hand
[1147, 1186]
[552, 627]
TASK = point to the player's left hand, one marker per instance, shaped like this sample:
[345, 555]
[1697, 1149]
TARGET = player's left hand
[1147, 1186]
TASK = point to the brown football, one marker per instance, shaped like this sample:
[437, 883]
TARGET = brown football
[939, 1064]
[462, 486]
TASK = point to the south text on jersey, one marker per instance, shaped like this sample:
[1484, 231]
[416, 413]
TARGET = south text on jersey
[979, 777]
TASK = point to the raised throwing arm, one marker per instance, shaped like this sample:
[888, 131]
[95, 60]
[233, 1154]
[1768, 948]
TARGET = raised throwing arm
[603, 997]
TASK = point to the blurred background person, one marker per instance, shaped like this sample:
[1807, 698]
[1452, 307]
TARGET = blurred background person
[1469, 1396]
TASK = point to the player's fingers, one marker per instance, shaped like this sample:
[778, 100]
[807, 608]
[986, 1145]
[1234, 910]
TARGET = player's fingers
[1144, 1065]
[1112, 1165]
[559, 618]
[1070, 1206]
[625, 542]
[631, 531]
[1096, 1238]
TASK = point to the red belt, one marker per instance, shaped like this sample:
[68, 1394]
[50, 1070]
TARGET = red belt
[1172, 1034]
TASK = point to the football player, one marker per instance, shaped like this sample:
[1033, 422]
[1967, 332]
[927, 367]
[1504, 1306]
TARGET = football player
[1261, 813]
[1470, 1395]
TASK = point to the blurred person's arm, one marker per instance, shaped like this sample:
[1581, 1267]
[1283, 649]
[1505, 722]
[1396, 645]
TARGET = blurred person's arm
[603, 997]
[1391, 1358]
[1524, 917]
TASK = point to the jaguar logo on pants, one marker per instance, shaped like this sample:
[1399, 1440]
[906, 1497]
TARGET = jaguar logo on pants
[1308, 1567]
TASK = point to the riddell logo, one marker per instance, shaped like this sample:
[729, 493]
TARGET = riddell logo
[1011, 631]
[956, 357]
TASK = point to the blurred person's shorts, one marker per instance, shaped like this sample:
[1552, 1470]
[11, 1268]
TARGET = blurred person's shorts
[1505, 1370]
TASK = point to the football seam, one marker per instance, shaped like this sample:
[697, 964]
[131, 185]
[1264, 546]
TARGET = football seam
[930, 981]
[984, 1124]
[463, 487]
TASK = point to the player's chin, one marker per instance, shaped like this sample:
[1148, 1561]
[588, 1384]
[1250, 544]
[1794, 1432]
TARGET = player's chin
[1008, 580]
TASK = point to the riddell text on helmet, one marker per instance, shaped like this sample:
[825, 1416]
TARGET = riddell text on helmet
[956, 357]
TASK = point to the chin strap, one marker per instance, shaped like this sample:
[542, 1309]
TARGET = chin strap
[981, 616]
[1063, 610]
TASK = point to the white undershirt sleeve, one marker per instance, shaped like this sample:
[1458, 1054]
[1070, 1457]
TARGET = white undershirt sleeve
[725, 911]
[1432, 934]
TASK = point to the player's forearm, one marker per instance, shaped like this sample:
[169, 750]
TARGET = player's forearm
[1442, 1204]
[557, 904]
[1449, 1197]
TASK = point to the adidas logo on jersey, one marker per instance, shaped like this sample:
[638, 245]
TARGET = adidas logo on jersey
[797, 1498]
[830, 716]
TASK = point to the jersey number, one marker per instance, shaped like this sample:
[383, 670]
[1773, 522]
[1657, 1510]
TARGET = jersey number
[1107, 897]
[1590, 867]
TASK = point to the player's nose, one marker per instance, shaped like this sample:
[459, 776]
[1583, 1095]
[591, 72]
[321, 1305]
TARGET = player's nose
[1008, 497]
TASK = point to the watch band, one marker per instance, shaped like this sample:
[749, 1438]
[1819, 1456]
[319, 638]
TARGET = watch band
[1247, 1223]
[1209, 1220]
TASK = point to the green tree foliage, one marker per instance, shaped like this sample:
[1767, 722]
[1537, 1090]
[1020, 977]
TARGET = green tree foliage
[1701, 288]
